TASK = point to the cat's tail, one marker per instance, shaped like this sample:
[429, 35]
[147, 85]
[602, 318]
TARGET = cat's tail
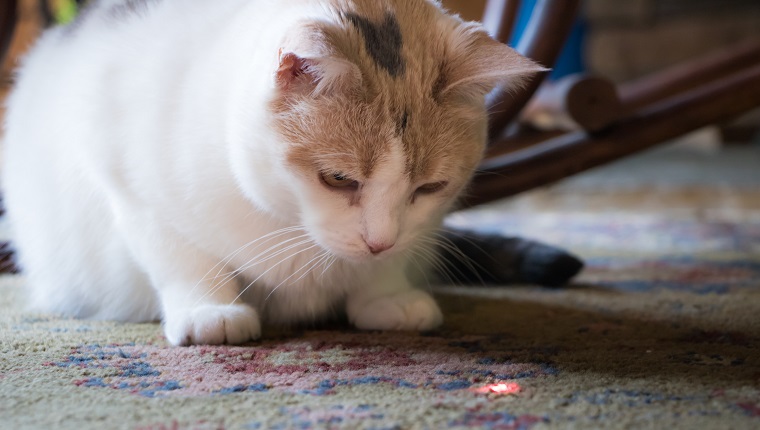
[473, 258]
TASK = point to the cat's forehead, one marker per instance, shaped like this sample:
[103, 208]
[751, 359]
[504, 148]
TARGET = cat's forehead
[355, 138]
[395, 43]
[400, 47]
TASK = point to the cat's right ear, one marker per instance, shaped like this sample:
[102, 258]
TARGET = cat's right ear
[476, 64]
[315, 75]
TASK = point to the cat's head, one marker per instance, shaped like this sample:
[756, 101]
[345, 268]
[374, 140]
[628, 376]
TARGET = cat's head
[380, 121]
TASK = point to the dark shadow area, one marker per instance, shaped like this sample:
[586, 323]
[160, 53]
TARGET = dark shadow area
[607, 342]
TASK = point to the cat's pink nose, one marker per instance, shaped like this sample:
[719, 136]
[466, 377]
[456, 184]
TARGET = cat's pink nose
[379, 247]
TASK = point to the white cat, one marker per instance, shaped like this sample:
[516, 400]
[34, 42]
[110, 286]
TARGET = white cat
[219, 163]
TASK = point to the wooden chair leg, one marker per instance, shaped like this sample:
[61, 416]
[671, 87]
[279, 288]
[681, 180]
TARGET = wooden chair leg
[547, 31]
[499, 18]
[575, 102]
[7, 26]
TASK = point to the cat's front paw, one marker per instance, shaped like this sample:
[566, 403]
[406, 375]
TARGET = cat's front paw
[212, 325]
[408, 310]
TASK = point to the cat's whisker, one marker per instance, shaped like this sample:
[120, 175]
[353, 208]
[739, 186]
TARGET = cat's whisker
[272, 267]
[476, 246]
[421, 269]
[221, 264]
[328, 265]
[274, 246]
[434, 260]
[257, 262]
[231, 274]
[427, 257]
[452, 271]
[426, 263]
[317, 258]
[269, 270]
[446, 244]
[456, 253]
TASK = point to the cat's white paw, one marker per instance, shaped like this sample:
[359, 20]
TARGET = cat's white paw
[212, 325]
[408, 310]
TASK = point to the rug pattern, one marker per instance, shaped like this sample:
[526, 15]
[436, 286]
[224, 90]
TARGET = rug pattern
[662, 332]
[309, 365]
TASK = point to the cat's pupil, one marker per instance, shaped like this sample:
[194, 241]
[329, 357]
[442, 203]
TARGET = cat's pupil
[339, 177]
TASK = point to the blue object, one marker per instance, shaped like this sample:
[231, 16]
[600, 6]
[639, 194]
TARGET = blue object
[572, 57]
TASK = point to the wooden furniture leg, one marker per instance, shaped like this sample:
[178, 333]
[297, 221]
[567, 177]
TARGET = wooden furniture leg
[7, 26]
[548, 28]
[575, 102]
[499, 18]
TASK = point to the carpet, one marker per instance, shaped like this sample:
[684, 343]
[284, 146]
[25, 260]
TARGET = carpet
[661, 330]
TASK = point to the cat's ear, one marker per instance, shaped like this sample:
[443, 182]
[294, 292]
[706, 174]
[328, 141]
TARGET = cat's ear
[312, 66]
[477, 64]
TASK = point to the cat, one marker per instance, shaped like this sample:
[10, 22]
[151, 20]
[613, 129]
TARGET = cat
[219, 164]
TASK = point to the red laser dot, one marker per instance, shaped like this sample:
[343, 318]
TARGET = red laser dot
[510, 388]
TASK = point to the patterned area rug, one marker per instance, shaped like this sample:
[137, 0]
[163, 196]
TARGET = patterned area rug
[660, 331]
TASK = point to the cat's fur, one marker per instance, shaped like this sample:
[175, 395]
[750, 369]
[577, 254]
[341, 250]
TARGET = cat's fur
[165, 155]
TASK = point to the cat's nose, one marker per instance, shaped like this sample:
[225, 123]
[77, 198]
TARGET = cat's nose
[379, 247]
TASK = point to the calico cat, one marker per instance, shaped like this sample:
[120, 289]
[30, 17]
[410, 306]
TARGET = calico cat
[216, 164]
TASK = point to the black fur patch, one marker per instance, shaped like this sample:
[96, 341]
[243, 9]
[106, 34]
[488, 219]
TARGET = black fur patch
[383, 42]
[403, 123]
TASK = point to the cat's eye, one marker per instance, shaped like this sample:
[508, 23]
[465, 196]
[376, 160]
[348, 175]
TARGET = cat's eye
[431, 188]
[339, 180]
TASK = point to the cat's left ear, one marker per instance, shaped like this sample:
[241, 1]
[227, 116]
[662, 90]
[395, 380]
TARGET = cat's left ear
[315, 75]
[311, 64]
[477, 64]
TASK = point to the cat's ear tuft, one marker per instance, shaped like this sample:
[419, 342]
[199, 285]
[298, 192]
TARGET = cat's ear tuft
[292, 67]
[317, 75]
[477, 64]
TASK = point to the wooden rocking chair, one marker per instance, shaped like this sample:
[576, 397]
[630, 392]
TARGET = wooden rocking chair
[614, 121]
